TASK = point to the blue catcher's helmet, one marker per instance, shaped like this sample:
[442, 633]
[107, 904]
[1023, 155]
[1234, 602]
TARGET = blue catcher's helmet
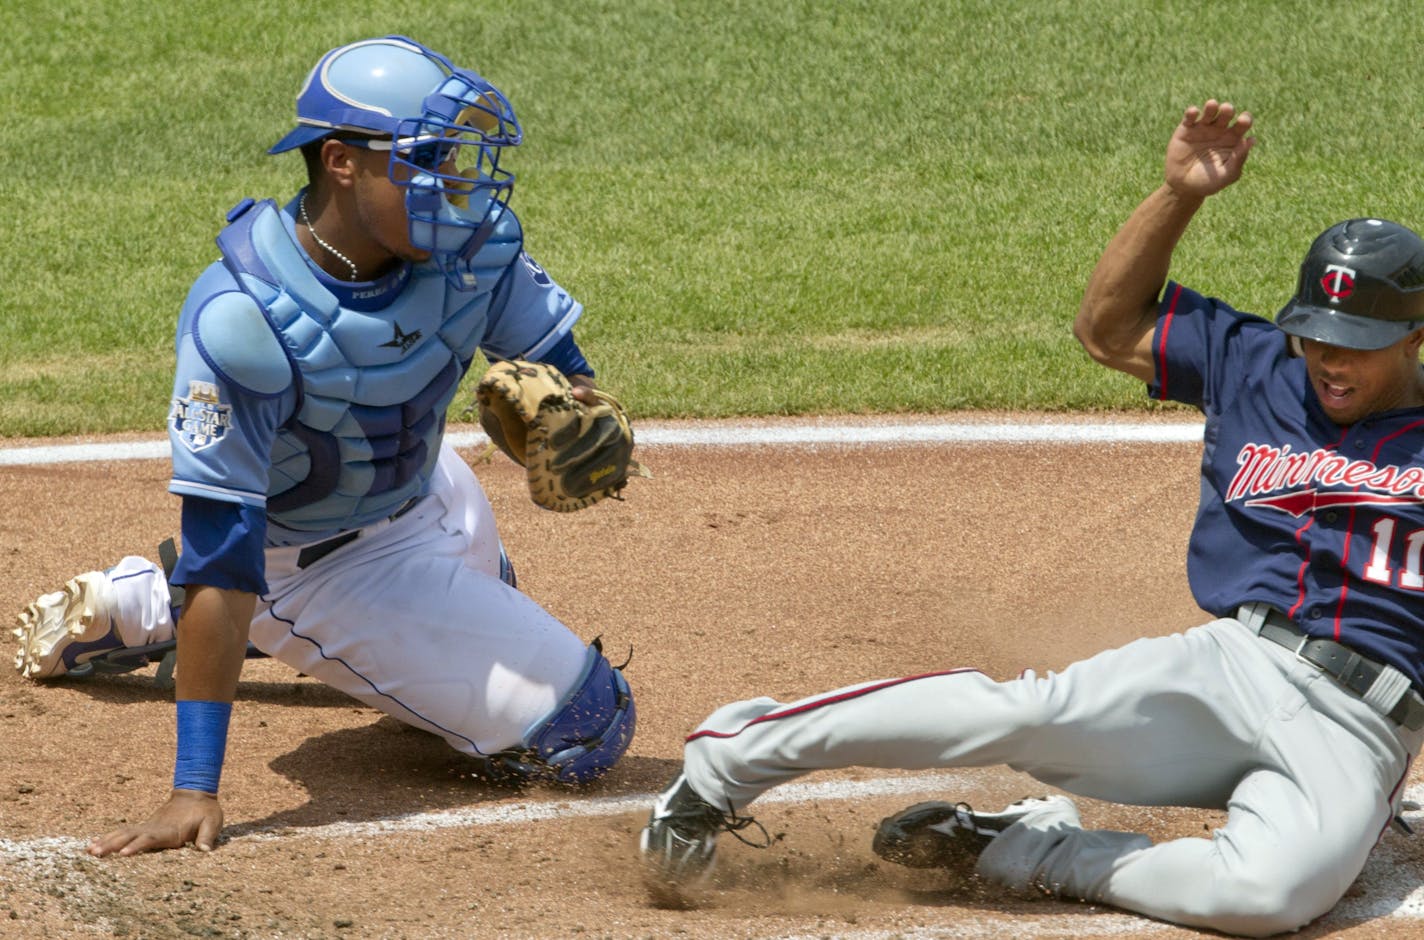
[446, 128]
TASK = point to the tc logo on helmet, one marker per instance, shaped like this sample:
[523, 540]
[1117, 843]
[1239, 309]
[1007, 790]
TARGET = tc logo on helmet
[1338, 282]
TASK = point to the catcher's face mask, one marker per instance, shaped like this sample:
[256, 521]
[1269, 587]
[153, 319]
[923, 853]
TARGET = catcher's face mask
[446, 159]
[448, 162]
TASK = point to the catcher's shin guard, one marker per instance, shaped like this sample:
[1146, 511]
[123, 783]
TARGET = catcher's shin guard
[585, 734]
[506, 570]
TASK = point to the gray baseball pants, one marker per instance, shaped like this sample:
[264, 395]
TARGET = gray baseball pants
[1217, 717]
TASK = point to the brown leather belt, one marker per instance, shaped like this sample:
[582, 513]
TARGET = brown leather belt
[1342, 664]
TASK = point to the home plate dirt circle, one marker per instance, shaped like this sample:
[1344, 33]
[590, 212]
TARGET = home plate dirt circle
[775, 558]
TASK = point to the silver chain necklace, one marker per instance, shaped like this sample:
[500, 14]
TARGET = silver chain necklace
[306, 220]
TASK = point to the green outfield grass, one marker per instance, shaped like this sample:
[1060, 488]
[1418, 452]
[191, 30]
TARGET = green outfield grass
[766, 207]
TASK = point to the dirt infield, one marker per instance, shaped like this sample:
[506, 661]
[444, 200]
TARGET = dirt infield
[735, 572]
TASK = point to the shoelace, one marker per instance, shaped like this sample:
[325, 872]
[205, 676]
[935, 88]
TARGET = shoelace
[967, 820]
[735, 824]
[968, 823]
[727, 821]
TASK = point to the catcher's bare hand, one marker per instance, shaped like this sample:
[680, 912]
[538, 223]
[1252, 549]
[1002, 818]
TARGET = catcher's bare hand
[186, 816]
[584, 391]
[1208, 149]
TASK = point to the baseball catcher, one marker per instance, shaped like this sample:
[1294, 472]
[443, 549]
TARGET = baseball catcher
[327, 522]
[575, 453]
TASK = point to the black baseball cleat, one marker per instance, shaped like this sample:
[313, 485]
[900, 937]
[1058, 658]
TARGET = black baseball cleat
[947, 835]
[679, 844]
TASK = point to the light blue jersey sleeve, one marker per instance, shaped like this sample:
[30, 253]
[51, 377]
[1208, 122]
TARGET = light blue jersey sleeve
[232, 389]
[529, 314]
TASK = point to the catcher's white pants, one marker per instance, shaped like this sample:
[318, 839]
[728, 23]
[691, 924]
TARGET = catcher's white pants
[1217, 717]
[410, 618]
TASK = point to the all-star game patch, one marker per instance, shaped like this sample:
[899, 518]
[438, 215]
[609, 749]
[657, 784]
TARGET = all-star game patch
[201, 419]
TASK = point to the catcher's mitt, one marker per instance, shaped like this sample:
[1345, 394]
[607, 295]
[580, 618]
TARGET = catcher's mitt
[575, 454]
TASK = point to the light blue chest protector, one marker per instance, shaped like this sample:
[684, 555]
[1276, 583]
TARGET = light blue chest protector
[372, 385]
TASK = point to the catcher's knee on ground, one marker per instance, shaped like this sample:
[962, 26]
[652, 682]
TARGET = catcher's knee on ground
[584, 735]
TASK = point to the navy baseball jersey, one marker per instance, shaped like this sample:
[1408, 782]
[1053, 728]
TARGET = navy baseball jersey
[1324, 522]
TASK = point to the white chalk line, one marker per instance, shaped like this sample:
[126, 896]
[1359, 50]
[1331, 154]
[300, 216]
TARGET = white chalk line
[511, 814]
[1394, 892]
[657, 435]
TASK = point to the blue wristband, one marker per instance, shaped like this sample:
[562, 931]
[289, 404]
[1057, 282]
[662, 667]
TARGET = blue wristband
[202, 740]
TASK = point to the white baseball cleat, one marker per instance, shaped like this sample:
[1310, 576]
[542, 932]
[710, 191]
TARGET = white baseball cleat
[62, 631]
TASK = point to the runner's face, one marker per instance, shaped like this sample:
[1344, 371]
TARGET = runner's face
[1354, 383]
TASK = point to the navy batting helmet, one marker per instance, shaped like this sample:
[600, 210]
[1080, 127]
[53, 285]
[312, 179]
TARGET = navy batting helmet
[1361, 286]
